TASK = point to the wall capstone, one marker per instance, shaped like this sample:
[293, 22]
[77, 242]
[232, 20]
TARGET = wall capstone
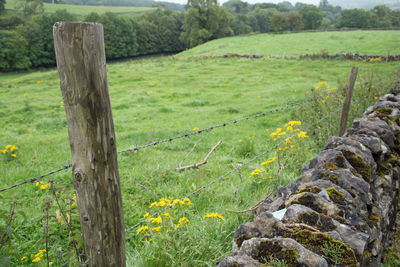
[342, 210]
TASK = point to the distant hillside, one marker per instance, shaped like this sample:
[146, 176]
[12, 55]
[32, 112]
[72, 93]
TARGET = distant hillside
[365, 4]
[138, 3]
[363, 42]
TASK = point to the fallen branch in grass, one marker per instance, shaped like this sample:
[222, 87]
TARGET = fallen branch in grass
[196, 165]
[282, 166]
[188, 154]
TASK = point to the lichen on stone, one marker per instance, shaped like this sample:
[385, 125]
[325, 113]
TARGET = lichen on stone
[274, 249]
[321, 222]
[315, 241]
[314, 189]
[336, 196]
[358, 163]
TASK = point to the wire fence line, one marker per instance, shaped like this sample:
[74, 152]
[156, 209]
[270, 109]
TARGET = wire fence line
[229, 172]
[187, 134]
[262, 114]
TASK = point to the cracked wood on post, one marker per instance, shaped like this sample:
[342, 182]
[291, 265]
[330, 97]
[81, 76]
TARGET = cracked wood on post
[81, 65]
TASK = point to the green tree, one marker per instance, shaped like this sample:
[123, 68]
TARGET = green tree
[30, 7]
[383, 16]
[14, 51]
[355, 18]
[2, 5]
[279, 21]
[205, 20]
[295, 21]
[260, 19]
[311, 16]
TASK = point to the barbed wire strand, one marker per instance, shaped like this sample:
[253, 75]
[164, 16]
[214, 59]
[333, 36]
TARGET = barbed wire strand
[154, 143]
[228, 173]
[262, 114]
[37, 178]
[71, 260]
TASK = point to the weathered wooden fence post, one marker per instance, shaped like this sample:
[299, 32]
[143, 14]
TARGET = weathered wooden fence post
[347, 101]
[81, 66]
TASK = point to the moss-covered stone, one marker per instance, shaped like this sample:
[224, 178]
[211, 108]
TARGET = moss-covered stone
[274, 249]
[321, 222]
[314, 189]
[315, 242]
[358, 163]
[336, 196]
[384, 168]
[373, 220]
[329, 177]
[239, 241]
[308, 201]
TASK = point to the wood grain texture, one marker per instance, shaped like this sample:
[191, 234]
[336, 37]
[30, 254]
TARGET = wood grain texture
[83, 80]
[347, 101]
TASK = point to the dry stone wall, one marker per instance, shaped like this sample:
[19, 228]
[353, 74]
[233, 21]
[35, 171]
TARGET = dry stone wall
[342, 210]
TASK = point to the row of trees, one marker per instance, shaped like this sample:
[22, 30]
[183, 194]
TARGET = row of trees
[26, 40]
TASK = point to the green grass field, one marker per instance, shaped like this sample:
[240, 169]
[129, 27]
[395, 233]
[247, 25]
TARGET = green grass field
[154, 99]
[294, 44]
[81, 10]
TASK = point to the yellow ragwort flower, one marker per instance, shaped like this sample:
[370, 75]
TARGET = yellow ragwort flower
[156, 220]
[195, 129]
[24, 258]
[213, 215]
[3, 151]
[146, 215]
[13, 155]
[302, 135]
[156, 229]
[36, 259]
[26, 94]
[269, 161]
[167, 215]
[142, 229]
[183, 220]
[154, 204]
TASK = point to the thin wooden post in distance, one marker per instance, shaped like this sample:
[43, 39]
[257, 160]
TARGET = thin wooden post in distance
[81, 64]
[347, 101]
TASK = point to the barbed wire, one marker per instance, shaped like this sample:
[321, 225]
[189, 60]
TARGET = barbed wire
[262, 114]
[73, 259]
[37, 178]
[229, 172]
[154, 143]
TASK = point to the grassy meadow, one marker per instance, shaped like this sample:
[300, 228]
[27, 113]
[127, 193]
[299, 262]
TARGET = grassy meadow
[154, 99]
[81, 10]
[295, 44]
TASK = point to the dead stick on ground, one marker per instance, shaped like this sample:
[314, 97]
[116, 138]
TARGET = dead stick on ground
[188, 154]
[267, 196]
[196, 165]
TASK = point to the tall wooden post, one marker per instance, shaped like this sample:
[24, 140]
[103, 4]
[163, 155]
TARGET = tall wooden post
[81, 66]
[347, 101]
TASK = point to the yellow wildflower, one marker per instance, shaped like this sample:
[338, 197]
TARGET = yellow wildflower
[156, 229]
[8, 146]
[156, 220]
[13, 155]
[175, 201]
[3, 151]
[256, 172]
[26, 94]
[13, 148]
[302, 135]
[142, 229]
[213, 215]
[167, 215]
[154, 204]
[23, 258]
[36, 259]
[183, 220]
[187, 201]
[45, 186]
[289, 128]
[195, 129]
[146, 215]
[269, 161]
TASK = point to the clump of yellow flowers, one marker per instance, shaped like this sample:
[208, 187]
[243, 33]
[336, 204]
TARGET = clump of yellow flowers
[9, 151]
[164, 221]
[35, 258]
[285, 137]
